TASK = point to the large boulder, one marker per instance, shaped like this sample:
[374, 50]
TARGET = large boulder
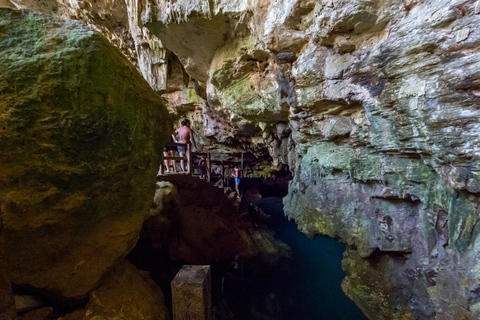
[81, 135]
[127, 293]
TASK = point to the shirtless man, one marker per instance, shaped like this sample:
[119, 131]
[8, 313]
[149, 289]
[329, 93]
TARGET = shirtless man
[185, 135]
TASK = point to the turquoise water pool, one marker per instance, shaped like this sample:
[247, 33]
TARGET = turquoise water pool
[310, 288]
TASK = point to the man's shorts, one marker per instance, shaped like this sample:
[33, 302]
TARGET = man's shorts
[182, 149]
[237, 180]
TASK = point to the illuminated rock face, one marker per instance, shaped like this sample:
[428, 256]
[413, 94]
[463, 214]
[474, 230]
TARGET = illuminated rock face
[81, 136]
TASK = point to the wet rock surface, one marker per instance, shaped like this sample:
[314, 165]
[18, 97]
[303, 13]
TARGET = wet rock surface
[198, 223]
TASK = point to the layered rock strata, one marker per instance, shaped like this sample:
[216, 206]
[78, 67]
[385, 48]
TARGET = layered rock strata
[81, 136]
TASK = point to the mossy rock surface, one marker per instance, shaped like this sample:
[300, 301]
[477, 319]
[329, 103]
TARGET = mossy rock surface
[81, 135]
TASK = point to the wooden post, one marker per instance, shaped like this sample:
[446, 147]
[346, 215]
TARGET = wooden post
[191, 293]
[209, 168]
[228, 178]
[241, 166]
[222, 175]
[161, 165]
[189, 159]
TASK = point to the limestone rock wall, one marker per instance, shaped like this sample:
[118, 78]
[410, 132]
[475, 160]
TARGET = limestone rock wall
[107, 16]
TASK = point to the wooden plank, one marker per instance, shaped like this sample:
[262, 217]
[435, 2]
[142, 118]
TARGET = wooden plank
[191, 293]
[189, 156]
[174, 172]
[233, 163]
[222, 175]
[226, 163]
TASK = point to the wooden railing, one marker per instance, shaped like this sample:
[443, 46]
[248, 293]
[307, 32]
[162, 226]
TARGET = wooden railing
[205, 168]
[188, 160]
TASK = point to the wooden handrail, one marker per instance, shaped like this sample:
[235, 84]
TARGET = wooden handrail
[209, 168]
[190, 160]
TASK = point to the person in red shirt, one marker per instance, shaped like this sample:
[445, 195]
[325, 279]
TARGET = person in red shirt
[236, 174]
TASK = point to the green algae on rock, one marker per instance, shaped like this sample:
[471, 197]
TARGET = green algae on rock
[80, 144]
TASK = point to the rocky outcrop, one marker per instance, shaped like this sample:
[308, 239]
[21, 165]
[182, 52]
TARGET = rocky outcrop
[387, 162]
[45, 313]
[125, 293]
[80, 147]
[106, 16]
[197, 224]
